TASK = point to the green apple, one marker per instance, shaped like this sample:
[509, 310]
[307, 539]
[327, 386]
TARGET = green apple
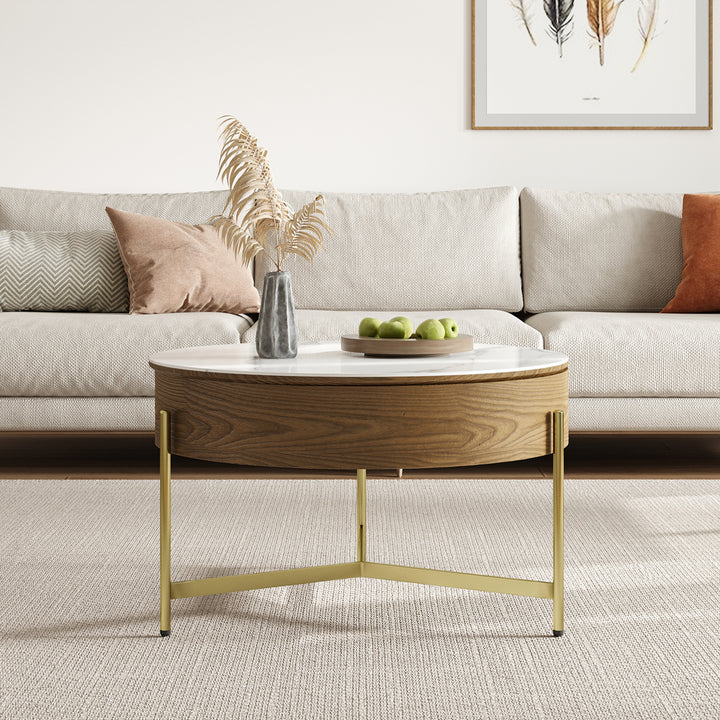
[369, 327]
[430, 330]
[451, 328]
[405, 323]
[391, 329]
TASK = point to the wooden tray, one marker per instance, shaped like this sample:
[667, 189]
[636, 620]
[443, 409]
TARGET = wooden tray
[392, 347]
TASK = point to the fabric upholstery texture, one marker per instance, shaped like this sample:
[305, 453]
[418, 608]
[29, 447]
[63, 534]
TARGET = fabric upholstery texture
[636, 354]
[77, 414]
[644, 414]
[699, 289]
[98, 354]
[77, 271]
[176, 267]
[452, 250]
[22, 209]
[604, 252]
[493, 327]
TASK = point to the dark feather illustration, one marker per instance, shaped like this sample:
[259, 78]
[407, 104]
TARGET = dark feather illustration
[522, 8]
[601, 16]
[560, 15]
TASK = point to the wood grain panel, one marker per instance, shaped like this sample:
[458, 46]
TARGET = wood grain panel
[346, 427]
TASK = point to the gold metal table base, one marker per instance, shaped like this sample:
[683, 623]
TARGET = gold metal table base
[362, 568]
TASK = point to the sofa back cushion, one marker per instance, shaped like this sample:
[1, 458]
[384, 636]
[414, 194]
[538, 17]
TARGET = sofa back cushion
[602, 252]
[22, 209]
[424, 251]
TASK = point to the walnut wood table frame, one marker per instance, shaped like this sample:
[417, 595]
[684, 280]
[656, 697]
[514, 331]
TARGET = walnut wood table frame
[361, 423]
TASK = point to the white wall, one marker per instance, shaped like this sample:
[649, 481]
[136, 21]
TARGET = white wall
[371, 96]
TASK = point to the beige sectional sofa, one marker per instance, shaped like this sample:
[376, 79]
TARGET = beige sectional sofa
[585, 274]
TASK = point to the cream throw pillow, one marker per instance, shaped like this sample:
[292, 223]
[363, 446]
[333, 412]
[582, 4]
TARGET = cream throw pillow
[175, 267]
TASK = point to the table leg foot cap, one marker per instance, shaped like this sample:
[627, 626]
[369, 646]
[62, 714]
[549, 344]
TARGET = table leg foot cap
[558, 633]
[164, 633]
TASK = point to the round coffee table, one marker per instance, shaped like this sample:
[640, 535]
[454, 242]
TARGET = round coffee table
[329, 409]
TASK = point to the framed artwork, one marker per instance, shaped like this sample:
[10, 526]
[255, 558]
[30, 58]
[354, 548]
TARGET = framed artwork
[591, 64]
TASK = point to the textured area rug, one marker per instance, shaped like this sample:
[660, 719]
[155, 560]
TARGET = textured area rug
[79, 601]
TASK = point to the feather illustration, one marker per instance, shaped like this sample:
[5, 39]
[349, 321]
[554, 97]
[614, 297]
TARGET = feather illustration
[601, 16]
[522, 8]
[559, 13]
[648, 20]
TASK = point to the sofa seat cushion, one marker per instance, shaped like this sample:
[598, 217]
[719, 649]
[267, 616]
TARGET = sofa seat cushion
[486, 326]
[636, 354]
[98, 354]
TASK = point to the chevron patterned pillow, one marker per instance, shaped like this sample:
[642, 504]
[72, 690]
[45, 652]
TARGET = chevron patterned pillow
[48, 271]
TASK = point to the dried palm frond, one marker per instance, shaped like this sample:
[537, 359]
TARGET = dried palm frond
[304, 231]
[240, 241]
[255, 216]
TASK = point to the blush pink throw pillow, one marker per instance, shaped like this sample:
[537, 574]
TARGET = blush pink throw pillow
[175, 267]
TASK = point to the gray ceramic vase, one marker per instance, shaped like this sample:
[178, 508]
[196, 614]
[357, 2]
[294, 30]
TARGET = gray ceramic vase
[276, 330]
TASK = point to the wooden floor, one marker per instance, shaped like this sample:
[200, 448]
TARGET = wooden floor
[133, 455]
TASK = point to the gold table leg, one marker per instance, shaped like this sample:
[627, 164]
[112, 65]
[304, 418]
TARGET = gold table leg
[558, 522]
[360, 514]
[164, 523]
[362, 568]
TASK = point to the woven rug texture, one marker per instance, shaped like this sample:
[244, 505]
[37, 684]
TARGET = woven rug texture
[79, 601]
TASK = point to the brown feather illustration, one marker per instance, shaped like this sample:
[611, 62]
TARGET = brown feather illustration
[601, 16]
[521, 7]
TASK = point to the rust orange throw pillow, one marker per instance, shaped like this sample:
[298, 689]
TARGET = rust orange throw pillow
[699, 288]
[175, 267]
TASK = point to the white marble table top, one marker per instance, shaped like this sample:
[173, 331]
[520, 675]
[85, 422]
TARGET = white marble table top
[328, 360]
